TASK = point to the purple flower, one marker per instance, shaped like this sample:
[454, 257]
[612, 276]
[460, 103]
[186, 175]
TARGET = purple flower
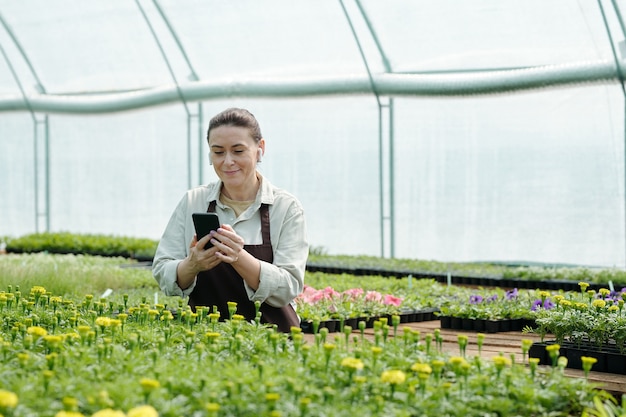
[536, 304]
[546, 305]
[493, 298]
[475, 299]
[511, 294]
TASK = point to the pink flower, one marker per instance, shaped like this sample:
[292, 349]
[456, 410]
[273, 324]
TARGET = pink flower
[373, 296]
[330, 293]
[391, 300]
[353, 293]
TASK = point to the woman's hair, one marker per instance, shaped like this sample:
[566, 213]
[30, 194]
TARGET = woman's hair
[236, 117]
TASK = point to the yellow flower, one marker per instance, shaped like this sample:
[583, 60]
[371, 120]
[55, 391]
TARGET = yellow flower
[53, 340]
[501, 361]
[8, 399]
[107, 412]
[393, 377]
[583, 286]
[37, 290]
[553, 347]
[272, 396]
[604, 292]
[36, 331]
[587, 362]
[457, 360]
[421, 368]
[352, 363]
[143, 411]
[213, 407]
[544, 294]
[149, 384]
[599, 303]
[103, 321]
[377, 350]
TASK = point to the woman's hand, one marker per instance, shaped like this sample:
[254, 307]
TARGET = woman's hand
[201, 258]
[228, 243]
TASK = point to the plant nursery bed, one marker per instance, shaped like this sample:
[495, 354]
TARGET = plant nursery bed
[485, 325]
[609, 359]
[335, 325]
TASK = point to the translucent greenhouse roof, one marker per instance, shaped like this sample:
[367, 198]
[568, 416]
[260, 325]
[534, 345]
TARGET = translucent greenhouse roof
[224, 49]
[450, 130]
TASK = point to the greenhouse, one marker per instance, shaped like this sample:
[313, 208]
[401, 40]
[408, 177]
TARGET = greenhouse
[452, 241]
[473, 131]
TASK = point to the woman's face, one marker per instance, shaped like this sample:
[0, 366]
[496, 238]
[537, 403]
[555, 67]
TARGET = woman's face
[234, 154]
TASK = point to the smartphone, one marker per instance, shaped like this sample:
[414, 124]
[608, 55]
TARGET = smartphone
[204, 223]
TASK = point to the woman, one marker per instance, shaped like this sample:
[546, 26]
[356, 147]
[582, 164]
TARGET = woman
[259, 253]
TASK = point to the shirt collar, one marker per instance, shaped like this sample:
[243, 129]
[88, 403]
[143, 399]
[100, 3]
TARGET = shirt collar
[265, 195]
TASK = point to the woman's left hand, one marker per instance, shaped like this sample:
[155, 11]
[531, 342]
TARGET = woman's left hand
[228, 242]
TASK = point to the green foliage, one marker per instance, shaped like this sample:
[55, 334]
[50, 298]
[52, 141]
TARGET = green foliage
[85, 355]
[74, 274]
[128, 247]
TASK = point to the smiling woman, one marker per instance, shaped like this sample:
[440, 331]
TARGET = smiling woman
[257, 257]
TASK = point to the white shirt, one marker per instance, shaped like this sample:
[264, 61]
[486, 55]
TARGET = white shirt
[280, 281]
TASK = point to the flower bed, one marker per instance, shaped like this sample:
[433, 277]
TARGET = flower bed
[87, 357]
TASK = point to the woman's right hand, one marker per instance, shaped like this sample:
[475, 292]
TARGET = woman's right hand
[198, 260]
[201, 258]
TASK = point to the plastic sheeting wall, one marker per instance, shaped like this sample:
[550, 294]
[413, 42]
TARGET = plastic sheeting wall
[532, 176]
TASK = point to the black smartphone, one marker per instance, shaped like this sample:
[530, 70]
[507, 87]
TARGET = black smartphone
[204, 223]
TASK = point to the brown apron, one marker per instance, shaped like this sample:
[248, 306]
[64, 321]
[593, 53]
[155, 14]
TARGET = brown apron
[222, 284]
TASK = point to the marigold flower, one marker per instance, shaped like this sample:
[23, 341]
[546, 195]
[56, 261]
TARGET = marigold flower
[36, 331]
[437, 365]
[360, 379]
[599, 304]
[457, 360]
[37, 290]
[212, 407]
[329, 347]
[272, 396]
[149, 384]
[352, 363]
[103, 321]
[142, 411]
[421, 368]
[8, 399]
[501, 361]
[583, 286]
[108, 412]
[604, 292]
[393, 377]
[53, 340]
[553, 347]
[587, 363]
